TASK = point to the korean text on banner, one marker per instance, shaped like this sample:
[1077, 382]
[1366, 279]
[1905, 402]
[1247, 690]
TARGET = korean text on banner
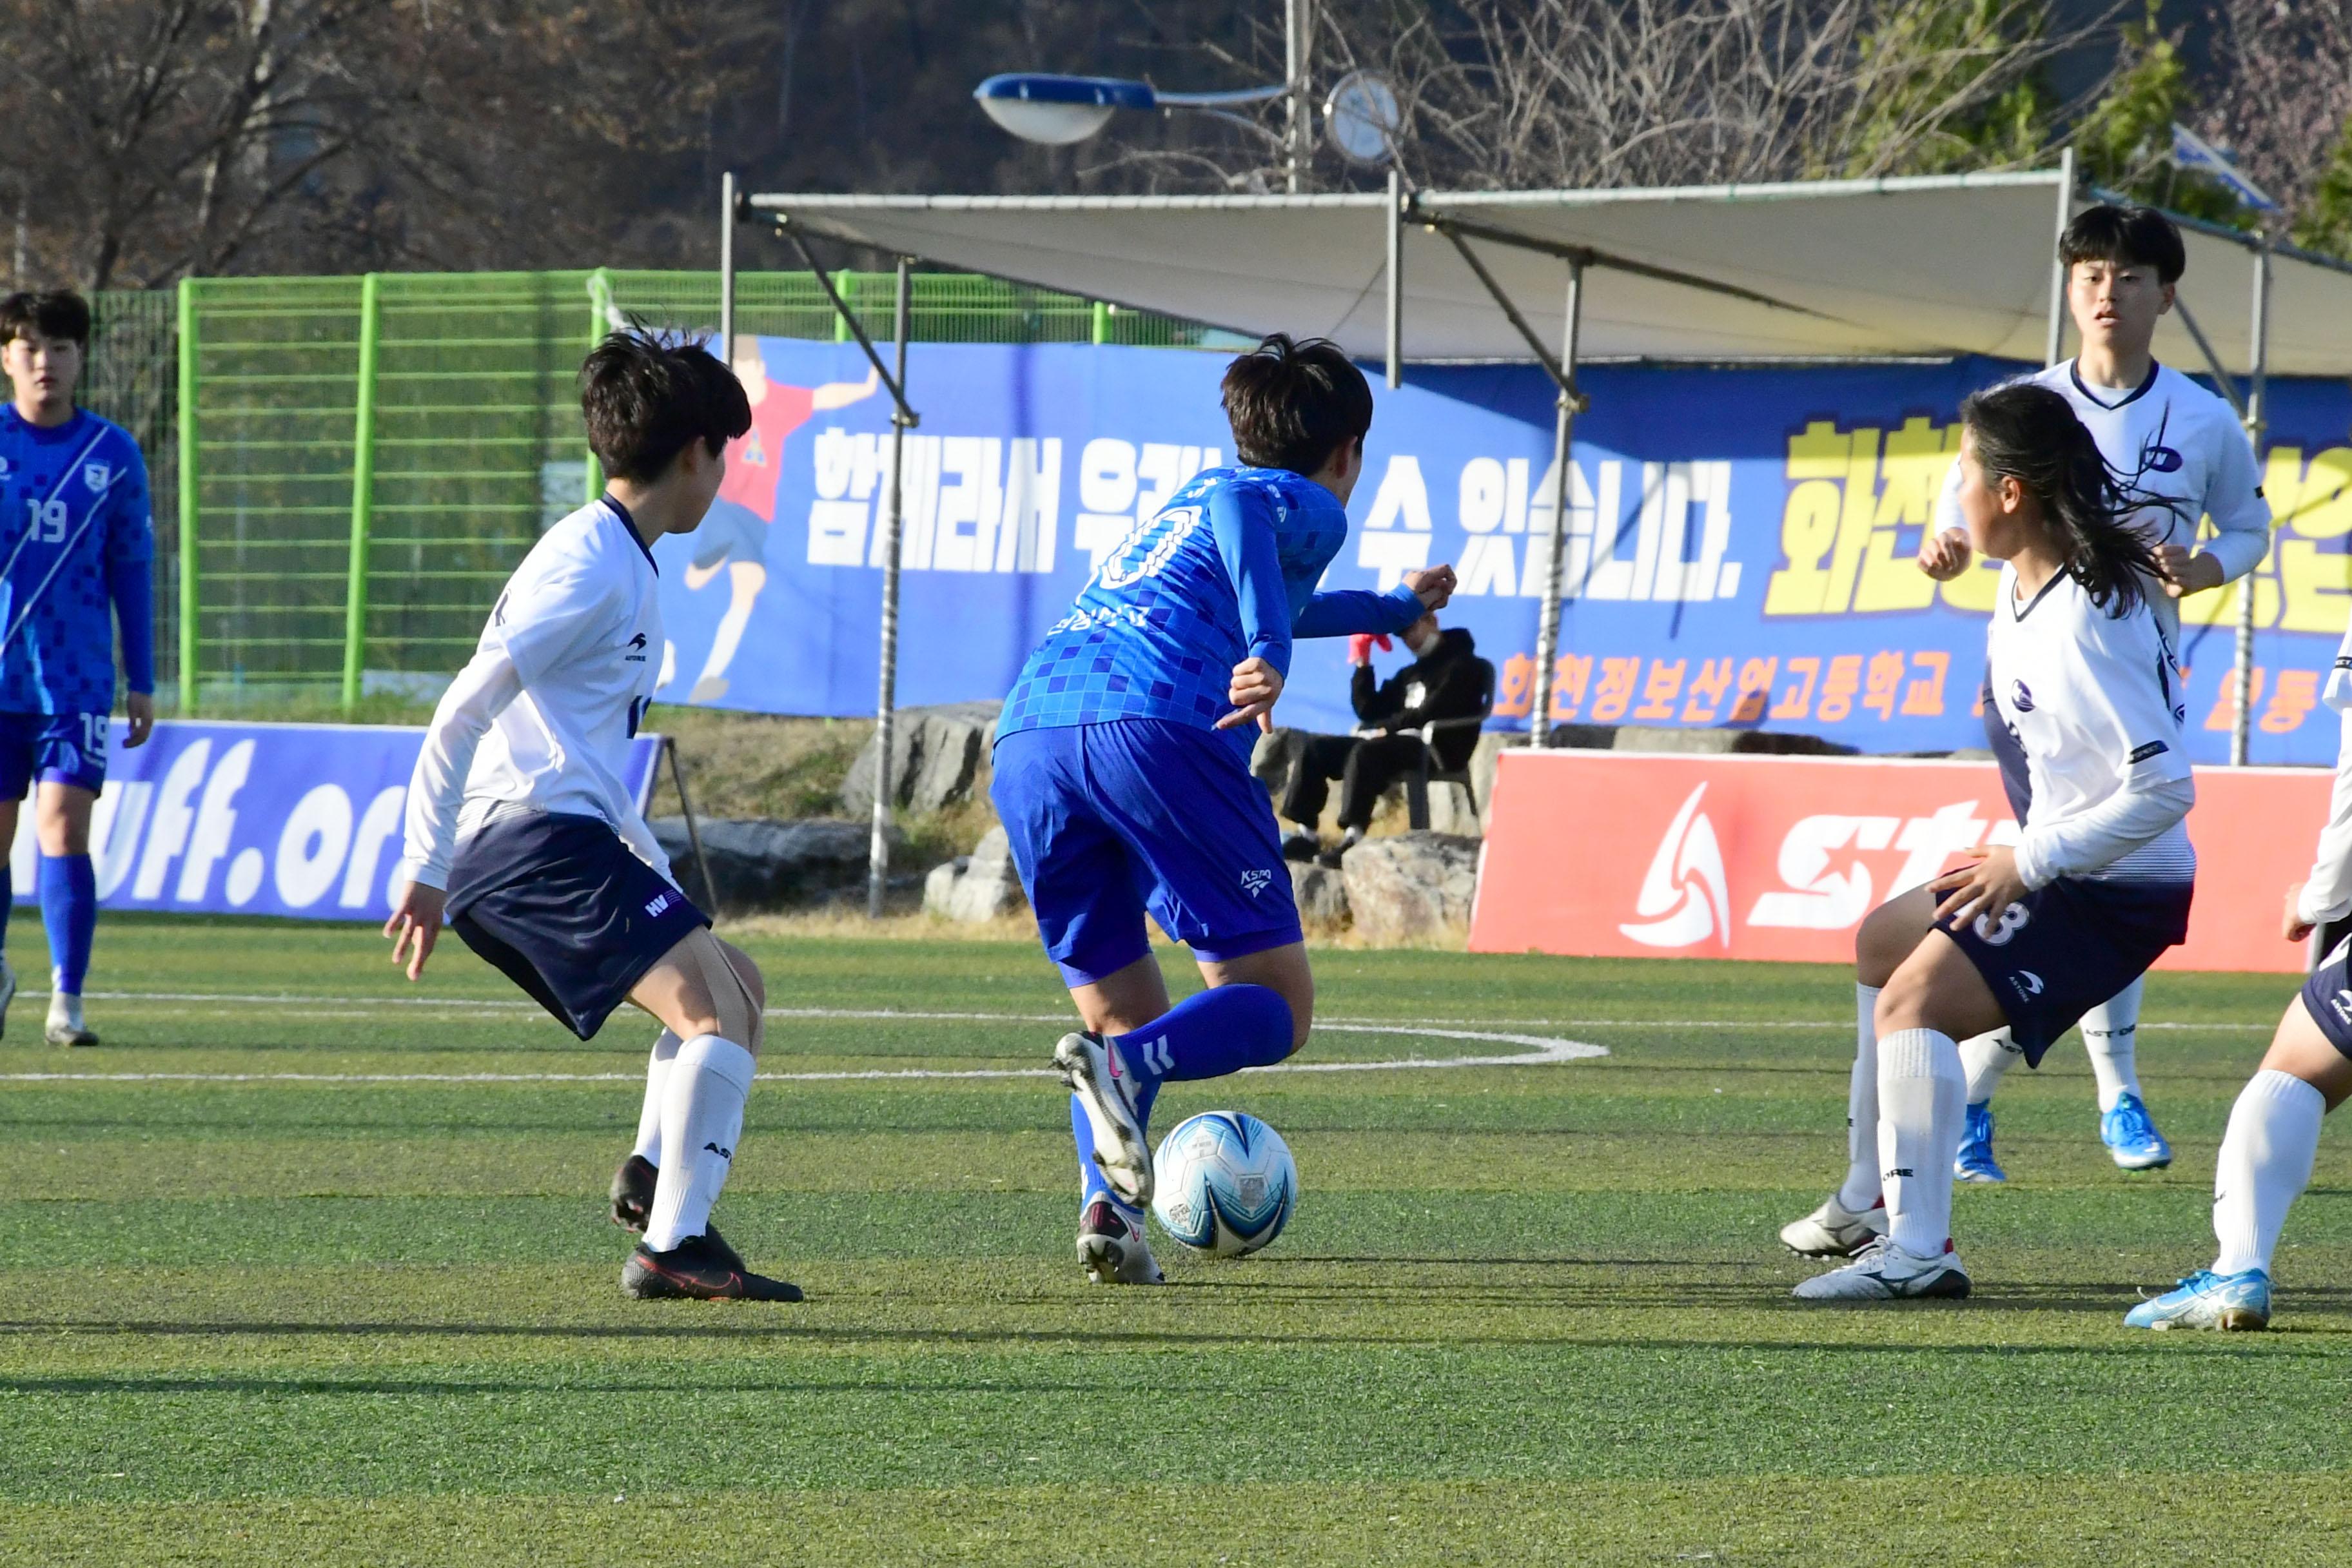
[258, 819]
[1612, 854]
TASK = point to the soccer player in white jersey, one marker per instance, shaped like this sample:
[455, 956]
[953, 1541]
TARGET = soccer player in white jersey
[2274, 1135]
[2098, 885]
[522, 834]
[2183, 447]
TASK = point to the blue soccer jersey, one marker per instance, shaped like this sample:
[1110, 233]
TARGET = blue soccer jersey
[1223, 572]
[76, 547]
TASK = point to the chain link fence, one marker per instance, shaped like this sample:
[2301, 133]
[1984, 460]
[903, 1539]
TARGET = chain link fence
[364, 461]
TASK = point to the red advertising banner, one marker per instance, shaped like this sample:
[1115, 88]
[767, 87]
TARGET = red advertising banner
[1624, 855]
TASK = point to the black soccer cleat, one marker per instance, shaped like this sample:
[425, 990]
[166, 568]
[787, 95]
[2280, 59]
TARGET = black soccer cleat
[632, 1194]
[697, 1271]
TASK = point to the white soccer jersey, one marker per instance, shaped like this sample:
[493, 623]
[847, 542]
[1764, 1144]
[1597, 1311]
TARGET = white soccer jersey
[2172, 438]
[2327, 892]
[2095, 703]
[557, 685]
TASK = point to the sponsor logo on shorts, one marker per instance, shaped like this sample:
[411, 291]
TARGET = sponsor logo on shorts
[2153, 749]
[2341, 1003]
[2020, 697]
[1253, 882]
[2028, 985]
[660, 903]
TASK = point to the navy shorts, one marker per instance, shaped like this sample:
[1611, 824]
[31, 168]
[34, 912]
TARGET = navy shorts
[1109, 820]
[557, 900]
[2327, 997]
[56, 748]
[2063, 950]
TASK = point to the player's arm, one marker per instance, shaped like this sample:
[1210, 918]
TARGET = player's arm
[1944, 551]
[842, 394]
[1347, 610]
[2242, 525]
[436, 789]
[130, 589]
[1244, 532]
[2326, 894]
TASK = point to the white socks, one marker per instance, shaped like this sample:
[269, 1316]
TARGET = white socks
[2111, 1031]
[648, 1146]
[701, 1117]
[2265, 1163]
[1985, 1057]
[1860, 1190]
[1922, 1102]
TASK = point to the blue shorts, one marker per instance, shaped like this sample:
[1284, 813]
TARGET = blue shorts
[57, 748]
[2063, 950]
[729, 533]
[1109, 820]
[559, 903]
[2327, 997]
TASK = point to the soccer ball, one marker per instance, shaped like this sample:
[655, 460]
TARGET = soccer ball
[1224, 1184]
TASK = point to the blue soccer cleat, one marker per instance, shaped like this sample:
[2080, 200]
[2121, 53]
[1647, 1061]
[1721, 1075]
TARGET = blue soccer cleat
[1975, 1163]
[2231, 1302]
[2131, 1136]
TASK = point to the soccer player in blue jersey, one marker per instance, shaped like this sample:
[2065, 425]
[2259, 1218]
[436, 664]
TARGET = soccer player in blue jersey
[76, 552]
[1123, 781]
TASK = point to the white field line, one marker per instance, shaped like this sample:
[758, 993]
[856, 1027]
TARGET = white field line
[1542, 1050]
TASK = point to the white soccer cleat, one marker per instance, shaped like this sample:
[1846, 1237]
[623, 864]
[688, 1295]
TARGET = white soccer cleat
[66, 1027]
[1112, 1248]
[1090, 1064]
[1885, 1272]
[1833, 1230]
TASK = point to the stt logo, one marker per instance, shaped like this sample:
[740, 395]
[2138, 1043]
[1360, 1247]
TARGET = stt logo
[1684, 897]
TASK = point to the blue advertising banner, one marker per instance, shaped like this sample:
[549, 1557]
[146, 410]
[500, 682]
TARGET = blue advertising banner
[257, 819]
[1739, 541]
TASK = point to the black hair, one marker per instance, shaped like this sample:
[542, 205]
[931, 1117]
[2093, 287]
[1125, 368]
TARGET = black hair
[2141, 236]
[647, 395]
[1293, 402]
[2030, 434]
[54, 313]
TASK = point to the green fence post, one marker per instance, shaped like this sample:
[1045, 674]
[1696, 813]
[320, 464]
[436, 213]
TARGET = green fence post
[189, 382]
[600, 317]
[845, 281]
[363, 494]
[1102, 322]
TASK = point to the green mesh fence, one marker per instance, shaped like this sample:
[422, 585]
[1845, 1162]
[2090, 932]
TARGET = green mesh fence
[370, 457]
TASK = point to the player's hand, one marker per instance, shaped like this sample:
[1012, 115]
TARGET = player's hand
[2185, 572]
[415, 925]
[1433, 584]
[2294, 928]
[140, 708]
[1257, 686]
[1360, 645]
[1946, 555]
[1982, 888]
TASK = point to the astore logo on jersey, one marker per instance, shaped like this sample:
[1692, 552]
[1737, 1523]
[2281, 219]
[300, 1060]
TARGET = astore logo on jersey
[2020, 697]
[1684, 886]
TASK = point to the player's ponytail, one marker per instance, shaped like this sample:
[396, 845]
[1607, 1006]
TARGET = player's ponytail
[2030, 434]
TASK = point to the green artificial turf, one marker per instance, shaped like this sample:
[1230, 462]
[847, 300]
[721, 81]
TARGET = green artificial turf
[292, 1281]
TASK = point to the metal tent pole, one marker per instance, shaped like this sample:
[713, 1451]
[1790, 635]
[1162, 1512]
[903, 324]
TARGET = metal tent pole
[1298, 24]
[1396, 279]
[1563, 432]
[2054, 350]
[727, 200]
[2242, 675]
[877, 849]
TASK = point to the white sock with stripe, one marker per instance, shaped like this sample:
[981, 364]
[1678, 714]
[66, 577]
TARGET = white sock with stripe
[1859, 1192]
[702, 1117]
[2110, 1034]
[1921, 1107]
[2265, 1163]
[648, 1145]
[1986, 1058]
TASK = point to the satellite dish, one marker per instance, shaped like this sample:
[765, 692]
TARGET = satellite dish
[1362, 118]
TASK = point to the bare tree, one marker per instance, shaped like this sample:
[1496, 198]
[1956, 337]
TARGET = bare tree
[2280, 91]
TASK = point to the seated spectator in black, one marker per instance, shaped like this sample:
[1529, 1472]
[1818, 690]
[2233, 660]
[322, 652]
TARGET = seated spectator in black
[1447, 680]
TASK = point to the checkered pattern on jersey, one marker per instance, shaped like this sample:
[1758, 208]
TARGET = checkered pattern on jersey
[72, 500]
[1156, 632]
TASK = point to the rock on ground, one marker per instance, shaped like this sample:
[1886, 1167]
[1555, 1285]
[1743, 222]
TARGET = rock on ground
[1321, 892]
[1412, 887]
[763, 864]
[936, 757]
[975, 887]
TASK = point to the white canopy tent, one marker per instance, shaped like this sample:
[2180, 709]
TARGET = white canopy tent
[1814, 269]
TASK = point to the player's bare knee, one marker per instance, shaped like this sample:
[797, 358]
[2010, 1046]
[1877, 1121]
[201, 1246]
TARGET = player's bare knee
[751, 998]
[1888, 934]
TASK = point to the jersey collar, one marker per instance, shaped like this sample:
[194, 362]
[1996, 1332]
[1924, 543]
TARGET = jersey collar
[2147, 384]
[629, 527]
[2016, 614]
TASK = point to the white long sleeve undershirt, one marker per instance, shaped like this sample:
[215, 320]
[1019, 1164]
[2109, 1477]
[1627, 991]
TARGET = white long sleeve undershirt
[2124, 821]
[484, 689]
[2327, 892]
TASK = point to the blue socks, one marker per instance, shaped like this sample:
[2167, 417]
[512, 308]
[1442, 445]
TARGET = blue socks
[1208, 1035]
[69, 909]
